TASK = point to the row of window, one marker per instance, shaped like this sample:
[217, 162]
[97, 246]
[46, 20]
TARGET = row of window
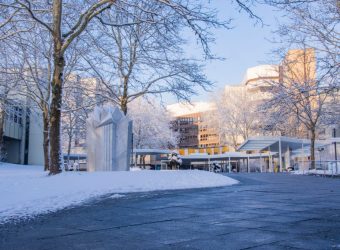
[187, 130]
[208, 145]
[208, 135]
[14, 114]
[187, 120]
[192, 137]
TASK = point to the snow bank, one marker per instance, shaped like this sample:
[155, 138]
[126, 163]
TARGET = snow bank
[315, 172]
[27, 190]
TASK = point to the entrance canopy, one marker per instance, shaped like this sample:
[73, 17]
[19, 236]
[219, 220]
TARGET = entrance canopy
[73, 157]
[228, 156]
[273, 143]
[334, 140]
[151, 151]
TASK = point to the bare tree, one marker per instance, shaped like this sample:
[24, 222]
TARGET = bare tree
[281, 124]
[9, 91]
[66, 20]
[79, 101]
[151, 125]
[307, 97]
[144, 57]
[34, 53]
[58, 18]
[234, 117]
[312, 24]
[11, 23]
[300, 93]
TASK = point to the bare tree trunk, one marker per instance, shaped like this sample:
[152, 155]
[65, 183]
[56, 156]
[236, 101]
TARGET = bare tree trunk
[124, 99]
[46, 139]
[312, 148]
[69, 147]
[57, 82]
[234, 143]
[123, 105]
[55, 116]
[2, 123]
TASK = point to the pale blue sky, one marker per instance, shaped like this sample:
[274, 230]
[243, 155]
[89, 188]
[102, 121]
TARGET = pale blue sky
[244, 46]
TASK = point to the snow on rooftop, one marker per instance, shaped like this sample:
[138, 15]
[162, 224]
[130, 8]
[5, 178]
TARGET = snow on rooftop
[27, 191]
[332, 171]
[152, 151]
[226, 155]
[261, 71]
[180, 109]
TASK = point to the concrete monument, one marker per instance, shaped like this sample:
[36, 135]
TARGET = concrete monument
[109, 140]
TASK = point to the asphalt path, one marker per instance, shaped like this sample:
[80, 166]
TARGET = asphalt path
[264, 211]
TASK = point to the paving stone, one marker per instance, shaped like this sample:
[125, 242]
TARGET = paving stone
[311, 242]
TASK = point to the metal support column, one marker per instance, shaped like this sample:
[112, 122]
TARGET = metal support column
[280, 155]
[248, 167]
[229, 165]
[335, 149]
[270, 161]
[302, 156]
[209, 163]
[260, 162]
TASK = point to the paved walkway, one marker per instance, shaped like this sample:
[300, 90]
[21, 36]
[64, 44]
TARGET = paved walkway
[265, 211]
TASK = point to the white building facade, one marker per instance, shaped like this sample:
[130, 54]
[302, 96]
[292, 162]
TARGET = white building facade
[23, 136]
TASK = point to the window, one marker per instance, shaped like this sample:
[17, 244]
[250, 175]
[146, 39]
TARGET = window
[14, 114]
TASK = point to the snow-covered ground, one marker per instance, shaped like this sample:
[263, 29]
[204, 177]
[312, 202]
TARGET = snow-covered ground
[28, 190]
[316, 172]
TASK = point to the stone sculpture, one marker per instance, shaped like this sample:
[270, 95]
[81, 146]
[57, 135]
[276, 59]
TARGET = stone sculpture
[109, 140]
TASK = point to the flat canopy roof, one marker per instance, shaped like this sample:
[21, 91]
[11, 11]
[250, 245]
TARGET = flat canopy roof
[204, 157]
[76, 156]
[333, 140]
[151, 151]
[271, 143]
[225, 156]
